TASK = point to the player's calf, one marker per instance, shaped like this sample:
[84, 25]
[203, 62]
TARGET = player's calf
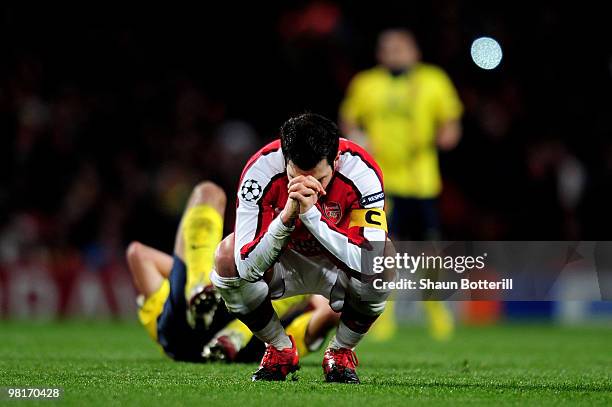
[200, 231]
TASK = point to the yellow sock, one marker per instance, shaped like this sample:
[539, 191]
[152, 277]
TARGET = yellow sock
[202, 232]
[385, 326]
[237, 329]
[284, 306]
[441, 321]
[152, 307]
[297, 328]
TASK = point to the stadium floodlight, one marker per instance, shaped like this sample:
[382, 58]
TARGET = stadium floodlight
[486, 53]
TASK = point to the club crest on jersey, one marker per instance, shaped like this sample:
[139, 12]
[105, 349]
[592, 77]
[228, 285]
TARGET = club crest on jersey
[332, 211]
[250, 190]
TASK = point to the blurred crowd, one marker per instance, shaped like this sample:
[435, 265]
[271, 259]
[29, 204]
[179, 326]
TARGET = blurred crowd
[108, 118]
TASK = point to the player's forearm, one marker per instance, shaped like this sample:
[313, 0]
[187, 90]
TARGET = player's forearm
[289, 214]
[336, 243]
[449, 135]
[253, 265]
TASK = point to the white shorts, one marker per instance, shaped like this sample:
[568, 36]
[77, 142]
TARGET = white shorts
[296, 274]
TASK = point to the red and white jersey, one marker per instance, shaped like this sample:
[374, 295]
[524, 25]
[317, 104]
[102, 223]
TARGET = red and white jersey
[325, 229]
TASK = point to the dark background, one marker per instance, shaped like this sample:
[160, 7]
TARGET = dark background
[109, 115]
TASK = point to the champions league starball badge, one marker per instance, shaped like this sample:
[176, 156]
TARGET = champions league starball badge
[250, 190]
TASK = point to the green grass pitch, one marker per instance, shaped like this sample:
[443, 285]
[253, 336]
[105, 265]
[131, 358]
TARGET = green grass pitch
[110, 363]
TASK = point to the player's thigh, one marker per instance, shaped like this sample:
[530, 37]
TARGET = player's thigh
[161, 260]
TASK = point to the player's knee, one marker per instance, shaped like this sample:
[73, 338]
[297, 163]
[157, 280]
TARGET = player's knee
[224, 258]
[134, 251]
[208, 193]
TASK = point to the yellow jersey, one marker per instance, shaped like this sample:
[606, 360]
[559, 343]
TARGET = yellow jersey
[400, 115]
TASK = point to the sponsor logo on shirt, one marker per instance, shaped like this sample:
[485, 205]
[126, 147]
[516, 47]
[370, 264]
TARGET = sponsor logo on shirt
[370, 199]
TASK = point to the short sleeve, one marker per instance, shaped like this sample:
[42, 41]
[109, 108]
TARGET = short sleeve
[351, 108]
[448, 106]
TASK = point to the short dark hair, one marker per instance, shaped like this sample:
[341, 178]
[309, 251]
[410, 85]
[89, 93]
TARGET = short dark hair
[404, 32]
[308, 138]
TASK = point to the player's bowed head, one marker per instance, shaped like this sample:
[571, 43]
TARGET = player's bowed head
[310, 147]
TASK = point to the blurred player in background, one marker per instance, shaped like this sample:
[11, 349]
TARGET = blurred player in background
[402, 111]
[180, 309]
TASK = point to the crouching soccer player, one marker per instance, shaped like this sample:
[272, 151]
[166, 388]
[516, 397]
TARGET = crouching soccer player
[180, 309]
[307, 206]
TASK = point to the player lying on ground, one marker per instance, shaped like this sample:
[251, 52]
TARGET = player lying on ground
[308, 204]
[201, 329]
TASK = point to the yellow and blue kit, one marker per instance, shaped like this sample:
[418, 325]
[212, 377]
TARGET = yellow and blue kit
[400, 115]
